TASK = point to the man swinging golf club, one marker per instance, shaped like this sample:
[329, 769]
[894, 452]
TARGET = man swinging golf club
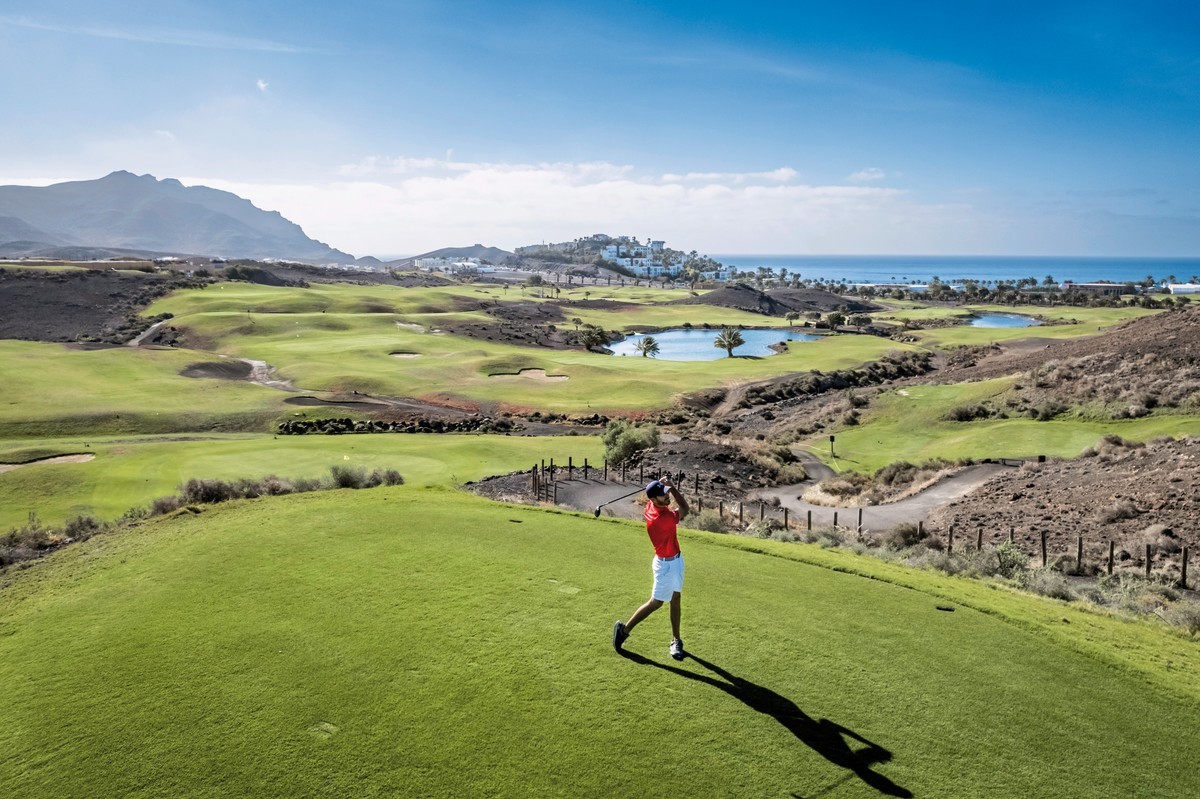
[661, 523]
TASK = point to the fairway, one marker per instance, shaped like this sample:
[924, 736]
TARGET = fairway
[418, 642]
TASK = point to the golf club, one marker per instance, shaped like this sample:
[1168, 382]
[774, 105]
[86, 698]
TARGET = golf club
[596, 513]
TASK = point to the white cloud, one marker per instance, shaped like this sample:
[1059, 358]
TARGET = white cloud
[410, 205]
[262, 85]
[867, 175]
[168, 36]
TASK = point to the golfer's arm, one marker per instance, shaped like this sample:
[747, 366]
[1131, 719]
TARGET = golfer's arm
[681, 502]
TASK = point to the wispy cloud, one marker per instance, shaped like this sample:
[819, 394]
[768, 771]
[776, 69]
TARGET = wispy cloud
[390, 205]
[168, 36]
[867, 175]
[262, 85]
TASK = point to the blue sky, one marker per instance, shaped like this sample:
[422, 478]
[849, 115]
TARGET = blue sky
[1050, 128]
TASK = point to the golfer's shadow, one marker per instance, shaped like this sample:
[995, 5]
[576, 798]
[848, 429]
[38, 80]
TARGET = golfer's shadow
[826, 738]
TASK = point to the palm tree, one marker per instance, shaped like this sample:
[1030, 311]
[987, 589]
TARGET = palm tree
[648, 347]
[729, 339]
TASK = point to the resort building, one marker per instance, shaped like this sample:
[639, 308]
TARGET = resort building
[1100, 289]
[1182, 288]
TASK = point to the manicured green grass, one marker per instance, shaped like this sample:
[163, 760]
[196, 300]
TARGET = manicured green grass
[320, 340]
[51, 389]
[909, 426]
[408, 642]
[131, 472]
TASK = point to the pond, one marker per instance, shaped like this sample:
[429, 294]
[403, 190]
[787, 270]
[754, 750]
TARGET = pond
[696, 344]
[1002, 320]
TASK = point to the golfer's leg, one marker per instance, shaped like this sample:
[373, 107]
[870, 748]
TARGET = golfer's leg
[676, 613]
[642, 612]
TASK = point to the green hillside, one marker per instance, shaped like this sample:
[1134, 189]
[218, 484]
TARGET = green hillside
[418, 642]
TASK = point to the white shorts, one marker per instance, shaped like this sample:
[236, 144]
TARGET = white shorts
[668, 577]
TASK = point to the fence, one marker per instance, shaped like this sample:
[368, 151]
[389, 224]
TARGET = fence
[546, 475]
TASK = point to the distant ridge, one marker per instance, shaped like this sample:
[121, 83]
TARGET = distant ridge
[139, 213]
[493, 255]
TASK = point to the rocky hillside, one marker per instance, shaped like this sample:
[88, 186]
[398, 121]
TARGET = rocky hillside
[129, 212]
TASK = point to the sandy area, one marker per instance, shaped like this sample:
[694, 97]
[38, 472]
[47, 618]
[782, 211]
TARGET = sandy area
[535, 374]
[9, 467]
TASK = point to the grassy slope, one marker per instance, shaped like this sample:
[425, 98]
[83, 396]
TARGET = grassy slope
[130, 472]
[342, 337]
[910, 427]
[51, 389]
[403, 642]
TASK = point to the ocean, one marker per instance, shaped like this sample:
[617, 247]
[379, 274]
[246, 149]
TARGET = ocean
[953, 268]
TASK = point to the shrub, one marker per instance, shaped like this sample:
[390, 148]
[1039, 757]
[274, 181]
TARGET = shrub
[207, 492]
[81, 528]
[1185, 615]
[274, 486]
[763, 528]
[901, 536]
[303, 485]
[1010, 560]
[623, 440]
[1047, 583]
[707, 520]
[165, 505]
[347, 476]
[392, 477]
[1122, 509]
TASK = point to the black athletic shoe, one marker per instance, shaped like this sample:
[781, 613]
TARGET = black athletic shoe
[619, 635]
[676, 649]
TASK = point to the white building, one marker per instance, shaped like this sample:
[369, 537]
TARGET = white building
[1183, 288]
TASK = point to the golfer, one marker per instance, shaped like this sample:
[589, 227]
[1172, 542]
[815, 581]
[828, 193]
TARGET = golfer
[661, 521]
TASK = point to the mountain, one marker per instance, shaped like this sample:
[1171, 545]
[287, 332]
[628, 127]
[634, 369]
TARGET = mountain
[139, 212]
[493, 255]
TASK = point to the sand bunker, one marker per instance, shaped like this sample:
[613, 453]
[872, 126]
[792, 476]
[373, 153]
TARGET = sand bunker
[8, 467]
[223, 370]
[411, 326]
[405, 354]
[534, 374]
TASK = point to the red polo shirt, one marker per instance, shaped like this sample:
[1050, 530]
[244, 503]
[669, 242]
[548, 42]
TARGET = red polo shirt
[660, 524]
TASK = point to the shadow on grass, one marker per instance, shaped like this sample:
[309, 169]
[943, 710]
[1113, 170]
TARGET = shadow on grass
[831, 741]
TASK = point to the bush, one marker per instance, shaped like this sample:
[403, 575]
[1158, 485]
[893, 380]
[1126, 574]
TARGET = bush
[164, 505]
[391, 477]
[81, 528]
[901, 536]
[1185, 615]
[348, 476]
[1010, 560]
[623, 440]
[207, 492]
[707, 520]
[764, 528]
[1047, 583]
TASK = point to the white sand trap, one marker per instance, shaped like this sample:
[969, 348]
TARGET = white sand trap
[411, 326]
[534, 374]
[902, 392]
[8, 467]
[405, 354]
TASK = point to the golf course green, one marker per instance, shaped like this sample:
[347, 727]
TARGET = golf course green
[417, 642]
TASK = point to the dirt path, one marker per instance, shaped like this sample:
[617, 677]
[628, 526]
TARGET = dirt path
[585, 495]
[883, 517]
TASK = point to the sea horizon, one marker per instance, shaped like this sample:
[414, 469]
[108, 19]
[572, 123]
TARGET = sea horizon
[951, 268]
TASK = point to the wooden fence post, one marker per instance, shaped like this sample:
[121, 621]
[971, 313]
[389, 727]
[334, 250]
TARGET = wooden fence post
[950, 540]
[762, 511]
[552, 470]
[810, 520]
[555, 493]
[1183, 570]
[860, 521]
[1111, 549]
[1011, 532]
[785, 527]
[835, 513]
[721, 510]
[979, 541]
[585, 469]
[699, 504]
[696, 490]
[606, 470]
[1148, 561]
[570, 467]
[1043, 549]
[920, 529]
[741, 507]
[641, 472]
[1079, 557]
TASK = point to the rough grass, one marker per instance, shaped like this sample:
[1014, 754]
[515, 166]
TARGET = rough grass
[130, 472]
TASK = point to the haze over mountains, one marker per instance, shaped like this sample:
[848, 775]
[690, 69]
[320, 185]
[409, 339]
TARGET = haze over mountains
[127, 214]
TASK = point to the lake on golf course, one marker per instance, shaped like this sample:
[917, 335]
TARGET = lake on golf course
[1002, 320]
[696, 344]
